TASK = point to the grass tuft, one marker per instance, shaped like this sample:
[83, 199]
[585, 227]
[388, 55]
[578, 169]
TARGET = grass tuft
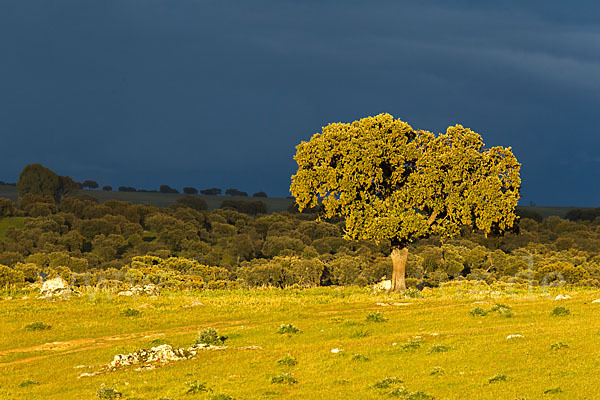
[288, 361]
[106, 392]
[439, 348]
[28, 382]
[37, 326]
[131, 312]
[386, 383]
[375, 316]
[195, 387]
[560, 312]
[478, 312]
[360, 358]
[284, 378]
[497, 378]
[559, 346]
[437, 370]
[288, 328]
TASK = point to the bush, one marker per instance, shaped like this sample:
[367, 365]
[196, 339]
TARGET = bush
[559, 346]
[211, 337]
[288, 329]
[235, 192]
[37, 326]
[259, 194]
[193, 202]
[127, 189]
[131, 312]
[478, 312]
[28, 382]
[245, 206]
[288, 361]
[285, 378]
[375, 316]
[108, 393]
[386, 383]
[560, 312]
[497, 378]
[107, 188]
[167, 189]
[360, 357]
[439, 348]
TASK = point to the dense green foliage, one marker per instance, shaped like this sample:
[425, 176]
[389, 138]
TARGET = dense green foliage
[89, 242]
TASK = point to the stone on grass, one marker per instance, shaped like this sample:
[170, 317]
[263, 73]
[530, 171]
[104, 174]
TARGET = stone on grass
[562, 297]
[54, 287]
[515, 336]
[596, 301]
[385, 284]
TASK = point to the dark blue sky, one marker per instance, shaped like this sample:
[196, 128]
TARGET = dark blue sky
[219, 93]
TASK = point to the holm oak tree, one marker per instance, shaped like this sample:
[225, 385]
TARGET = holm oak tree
[393, 183]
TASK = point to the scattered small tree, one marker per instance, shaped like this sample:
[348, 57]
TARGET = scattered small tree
[211, 192]
[167, 189]
[89, 184]
[127, 189]
[107, 188]
[393, 183]
[235, 192]
[190, 190]
[37, 179]
[260, 194]
[192, 201]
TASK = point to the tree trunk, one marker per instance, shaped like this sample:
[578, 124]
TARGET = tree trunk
[399, 256]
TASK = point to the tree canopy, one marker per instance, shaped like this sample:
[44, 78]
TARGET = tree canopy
[391, 182]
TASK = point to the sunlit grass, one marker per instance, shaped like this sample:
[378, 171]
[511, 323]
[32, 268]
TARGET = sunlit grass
[432, 345]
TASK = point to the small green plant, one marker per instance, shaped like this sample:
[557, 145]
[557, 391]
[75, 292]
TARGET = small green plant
[412, 345]
[288, 328]
[413, 293]
[106, 392]
[559, 346]
[288, 361]
[478, 312]
[418, 396]
[360, 357]
[195, 387]
[37, 326]
[439, 348]
[398, 392]
[359, 334]
[28, 382]
[437, 371]
[221, 396]
[497, 378]
[211, 337]
[284, 378]
[386, 383]
[560, 312]
[553, 390]
[503, 310]
[375, 316]
[131, 312]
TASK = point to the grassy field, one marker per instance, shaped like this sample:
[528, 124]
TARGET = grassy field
[432, 345]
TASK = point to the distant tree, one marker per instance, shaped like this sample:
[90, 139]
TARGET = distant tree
[260, 194]
[394, 184]
[107, 188]
[167, 189]
[127, 189]
[190, 190]
[235, 192]
[89, 184]
[211, 192]
[246, 206]
[192, 201]
[37, 179]
[7, 208]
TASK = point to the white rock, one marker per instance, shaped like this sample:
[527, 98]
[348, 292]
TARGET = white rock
[516, 336]
[55, 286]
[125, 293]
[382, 304]
[562, 297]
[336, 350]
[383, 285]
[596, 301]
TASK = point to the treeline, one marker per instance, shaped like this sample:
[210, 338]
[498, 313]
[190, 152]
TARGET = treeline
[184, 245]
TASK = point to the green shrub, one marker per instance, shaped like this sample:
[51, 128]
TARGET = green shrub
[437, 371]
[503, 310]
[497, 378]
[285, 378]
[108, 393]
[559, 346]
[359, 334]
[131, 312]
[375, 316]
[412, 344]
[210, 336]
[195, 387]
[28, 382]
[419, 396]
[288, 361]
[288, 328]
[478, 311]
[37, 326]
[560, 312]
[398, 392]
[360, 357]
[439, 348]
[386, 383]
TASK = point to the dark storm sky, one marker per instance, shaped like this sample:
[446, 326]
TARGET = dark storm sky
[219, 93]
